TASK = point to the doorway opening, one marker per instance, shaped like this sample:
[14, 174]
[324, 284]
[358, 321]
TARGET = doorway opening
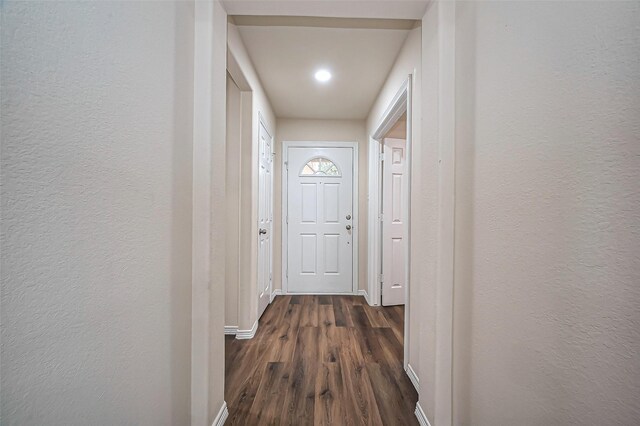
[389, 207]
[248, 208]
[324, 350]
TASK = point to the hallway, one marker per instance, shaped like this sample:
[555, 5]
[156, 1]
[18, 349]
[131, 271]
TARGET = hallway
[320, 360]
[176, 174]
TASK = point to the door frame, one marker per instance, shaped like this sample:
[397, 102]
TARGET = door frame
[354, 194]
[400, 104]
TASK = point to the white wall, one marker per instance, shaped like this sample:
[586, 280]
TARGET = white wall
[300, 130]
[399, 130]
[96, 212]
[547, 213]
[248, 287]
[408, 62]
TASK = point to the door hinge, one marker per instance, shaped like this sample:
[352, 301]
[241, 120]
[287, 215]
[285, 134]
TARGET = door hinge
[286, 165]
[382, 156]
[381, 278]
[287, 219]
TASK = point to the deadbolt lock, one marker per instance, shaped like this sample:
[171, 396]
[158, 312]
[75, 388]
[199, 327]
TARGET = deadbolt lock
[348, 217]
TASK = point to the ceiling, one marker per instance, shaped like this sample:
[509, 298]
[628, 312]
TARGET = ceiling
[286, 52]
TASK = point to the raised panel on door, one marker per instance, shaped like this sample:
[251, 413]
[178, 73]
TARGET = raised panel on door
[309, 202]
[331, 202]
[308, 254]
[332, 254]
[397, 211]
[319, 210]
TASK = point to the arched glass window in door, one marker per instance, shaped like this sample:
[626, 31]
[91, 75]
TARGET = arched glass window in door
[320, 166]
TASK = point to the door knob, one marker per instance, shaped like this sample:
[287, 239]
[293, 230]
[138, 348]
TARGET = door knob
[262, 231]
[348, 227]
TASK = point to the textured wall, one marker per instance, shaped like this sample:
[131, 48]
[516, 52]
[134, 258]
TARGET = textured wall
[547, 305]
[96, 212]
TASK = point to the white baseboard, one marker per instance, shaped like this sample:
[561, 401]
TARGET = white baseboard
[276, 292]
[222, 415]
[365, 294]
[247, 334]
[421, 416]
[230, 330]
[413, 377]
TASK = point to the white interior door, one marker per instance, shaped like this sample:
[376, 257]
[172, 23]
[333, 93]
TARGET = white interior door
[394, 203]
[320, 220]
[265, 218]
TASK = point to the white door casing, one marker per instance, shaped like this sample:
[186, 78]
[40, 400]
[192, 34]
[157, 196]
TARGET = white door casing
[320, 219]
[394, 202]
[265, 217]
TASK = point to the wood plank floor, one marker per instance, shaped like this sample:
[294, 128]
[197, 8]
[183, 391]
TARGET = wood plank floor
[321, 360]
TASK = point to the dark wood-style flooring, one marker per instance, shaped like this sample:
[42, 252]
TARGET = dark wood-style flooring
[321, 360]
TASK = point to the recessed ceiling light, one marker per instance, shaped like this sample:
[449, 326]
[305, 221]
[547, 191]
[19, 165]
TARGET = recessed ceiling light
[323, 76]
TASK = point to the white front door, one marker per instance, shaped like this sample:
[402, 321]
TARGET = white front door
[320, 220]
[394, 204]
[265, 218]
